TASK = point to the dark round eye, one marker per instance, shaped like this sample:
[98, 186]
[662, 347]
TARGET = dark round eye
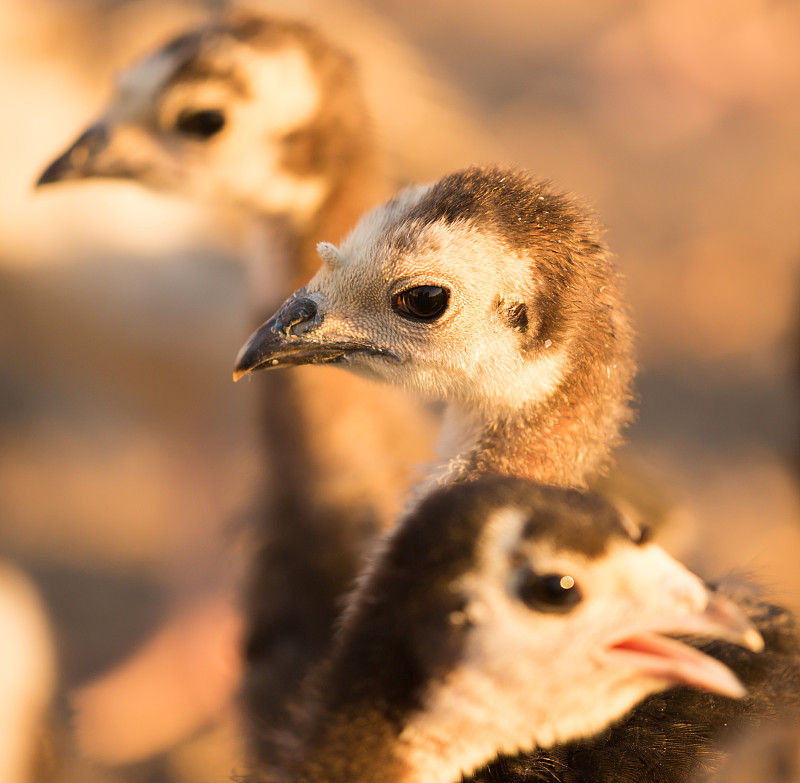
[423, 303]
[200, 124]
[549, 592]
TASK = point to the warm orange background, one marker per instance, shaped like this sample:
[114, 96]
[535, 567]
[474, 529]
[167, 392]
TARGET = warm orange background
[125, 459]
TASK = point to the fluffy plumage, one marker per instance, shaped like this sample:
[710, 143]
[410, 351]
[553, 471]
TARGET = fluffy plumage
[267, 115]
[502, 615]
[684, 735]
[251, 111]
[531, 346]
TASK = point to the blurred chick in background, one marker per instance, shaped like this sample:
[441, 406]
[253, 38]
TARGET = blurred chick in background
[266, 116]
[27, 680]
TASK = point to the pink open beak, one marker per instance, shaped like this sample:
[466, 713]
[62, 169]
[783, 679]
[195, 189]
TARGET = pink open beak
[648, 651]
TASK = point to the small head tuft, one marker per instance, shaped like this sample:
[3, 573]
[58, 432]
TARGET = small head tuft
[329, 254]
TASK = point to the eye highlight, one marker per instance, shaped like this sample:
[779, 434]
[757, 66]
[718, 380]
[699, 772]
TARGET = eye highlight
[200, 124]
[552, 593]
[421, 303]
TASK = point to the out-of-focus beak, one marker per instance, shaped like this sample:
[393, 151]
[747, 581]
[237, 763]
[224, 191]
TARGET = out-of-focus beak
[291, 337]
[80, 160]
[651, 653]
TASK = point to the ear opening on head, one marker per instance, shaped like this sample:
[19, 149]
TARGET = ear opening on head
[329, 254]
[513, 313]
[536, 319]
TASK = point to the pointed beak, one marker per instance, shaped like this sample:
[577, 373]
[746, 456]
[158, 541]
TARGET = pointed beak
[651, 653]
[80, 160]
[291, 337]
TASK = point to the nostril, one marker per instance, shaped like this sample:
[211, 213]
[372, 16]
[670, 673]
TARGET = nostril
[296, 313]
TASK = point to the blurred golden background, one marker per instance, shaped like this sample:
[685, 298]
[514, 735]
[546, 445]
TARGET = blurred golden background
[126, 460]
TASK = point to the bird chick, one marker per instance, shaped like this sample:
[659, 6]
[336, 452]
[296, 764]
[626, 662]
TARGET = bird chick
[536, 389]
[246, 110]
[502, 616]
[27, 679]
[683, 734]
[267, 115]
[487, 290]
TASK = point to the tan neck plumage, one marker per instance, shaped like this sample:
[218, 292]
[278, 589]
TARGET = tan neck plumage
[565, 439]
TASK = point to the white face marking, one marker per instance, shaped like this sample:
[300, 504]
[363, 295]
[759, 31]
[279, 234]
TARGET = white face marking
[284, 97]
[470, 355]
[243, 163]
[240, 165]
[530, 678]
[284, 86]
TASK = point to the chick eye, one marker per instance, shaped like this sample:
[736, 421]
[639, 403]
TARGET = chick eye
[200, 124]
[422, 303]
[554, 593]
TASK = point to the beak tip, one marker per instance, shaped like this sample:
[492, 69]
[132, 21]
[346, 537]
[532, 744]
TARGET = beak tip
[728, 621]
[244, 362]
[753, 640]
[737, 689]
[47, 177]
[59, 170]
[79, 161]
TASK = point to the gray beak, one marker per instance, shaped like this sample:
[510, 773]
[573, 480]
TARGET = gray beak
[80, 160]
[291, 338]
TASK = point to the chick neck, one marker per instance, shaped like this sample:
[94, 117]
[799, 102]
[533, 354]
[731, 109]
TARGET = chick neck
[564, 438]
